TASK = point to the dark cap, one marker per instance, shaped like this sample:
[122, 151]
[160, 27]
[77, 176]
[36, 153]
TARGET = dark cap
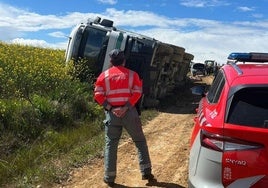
[117, 57]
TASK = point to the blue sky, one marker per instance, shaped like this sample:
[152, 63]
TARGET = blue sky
[208, 29]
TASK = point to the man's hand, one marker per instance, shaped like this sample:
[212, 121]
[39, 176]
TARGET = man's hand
[108, 107]
[120, 111]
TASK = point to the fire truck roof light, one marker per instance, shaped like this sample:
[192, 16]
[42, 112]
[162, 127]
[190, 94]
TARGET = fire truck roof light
[249, 57]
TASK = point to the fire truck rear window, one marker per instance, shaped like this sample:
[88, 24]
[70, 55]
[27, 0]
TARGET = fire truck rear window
[250, 108]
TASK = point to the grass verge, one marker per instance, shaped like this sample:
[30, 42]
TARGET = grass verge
[50, 158]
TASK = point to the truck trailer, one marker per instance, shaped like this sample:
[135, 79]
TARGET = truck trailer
[161, 66]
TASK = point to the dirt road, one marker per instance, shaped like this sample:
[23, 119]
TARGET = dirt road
[168, 138]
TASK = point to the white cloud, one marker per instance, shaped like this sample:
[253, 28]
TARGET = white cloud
[38, 43]
[245, 9]
[110, 2]
[205, 39]
[257, 15]
[135, 18]
[58, 34]
[203, 3]
[28, 21]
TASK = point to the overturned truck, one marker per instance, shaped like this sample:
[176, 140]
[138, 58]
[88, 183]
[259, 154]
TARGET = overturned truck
[161, 66]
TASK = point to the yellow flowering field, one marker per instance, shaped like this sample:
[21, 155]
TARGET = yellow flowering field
[25, 69]
[37, 89]
[44, 112]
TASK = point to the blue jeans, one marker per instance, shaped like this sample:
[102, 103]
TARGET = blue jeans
[113, 130]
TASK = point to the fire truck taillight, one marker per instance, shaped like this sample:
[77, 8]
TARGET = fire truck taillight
[221, 143]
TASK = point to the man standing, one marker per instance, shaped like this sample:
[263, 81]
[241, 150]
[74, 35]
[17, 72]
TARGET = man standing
[118, 89]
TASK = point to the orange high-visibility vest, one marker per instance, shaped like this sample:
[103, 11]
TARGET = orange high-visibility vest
[118, 86]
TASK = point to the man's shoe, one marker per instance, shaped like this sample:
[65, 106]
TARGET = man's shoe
[148, 177]
[110, 184]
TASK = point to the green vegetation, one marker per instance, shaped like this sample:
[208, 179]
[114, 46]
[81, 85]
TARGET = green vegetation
[49, 122]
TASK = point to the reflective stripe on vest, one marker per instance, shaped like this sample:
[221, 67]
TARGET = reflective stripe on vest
[99, 90]
[128, 90]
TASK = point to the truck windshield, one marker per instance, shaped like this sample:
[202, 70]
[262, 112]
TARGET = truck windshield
[93, 44]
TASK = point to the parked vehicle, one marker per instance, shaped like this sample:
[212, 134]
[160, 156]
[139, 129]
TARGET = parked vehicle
[198, 69]
[229, 141]
[161, 66]
[210, 66]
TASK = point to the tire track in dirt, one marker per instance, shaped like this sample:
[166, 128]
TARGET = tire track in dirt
[167, 136]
